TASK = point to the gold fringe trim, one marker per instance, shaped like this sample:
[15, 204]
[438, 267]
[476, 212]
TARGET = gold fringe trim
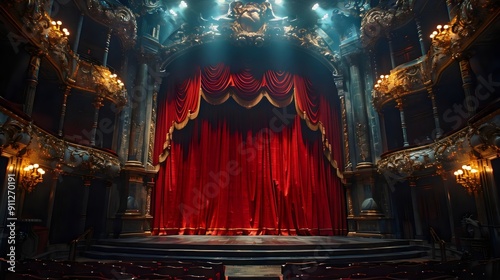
[327, 147]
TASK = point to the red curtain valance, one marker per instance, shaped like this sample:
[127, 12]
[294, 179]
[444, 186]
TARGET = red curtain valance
[217, 83]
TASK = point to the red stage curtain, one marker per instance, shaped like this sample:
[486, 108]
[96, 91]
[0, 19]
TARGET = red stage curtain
[239, 171]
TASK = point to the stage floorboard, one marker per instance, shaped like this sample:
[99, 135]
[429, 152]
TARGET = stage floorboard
[264, 249]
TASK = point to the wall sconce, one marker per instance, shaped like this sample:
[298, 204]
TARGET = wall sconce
[468, 177]
[56, 25]
[442, 31]
[113, 78]
[382, 83]
[31, 176]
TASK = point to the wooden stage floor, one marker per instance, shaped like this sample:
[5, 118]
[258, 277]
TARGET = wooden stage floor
[257, 250]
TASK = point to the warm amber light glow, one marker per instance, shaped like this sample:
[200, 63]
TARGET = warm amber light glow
[468, 177]
[32, 175]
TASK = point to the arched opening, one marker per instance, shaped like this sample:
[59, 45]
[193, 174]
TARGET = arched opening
[241, 140]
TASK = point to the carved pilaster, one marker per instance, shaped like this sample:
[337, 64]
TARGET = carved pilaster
[152, 125]
[356, 97]
[138, 116]
[345, 133]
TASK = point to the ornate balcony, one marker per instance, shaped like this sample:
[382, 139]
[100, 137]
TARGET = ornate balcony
[482, 138]
[36, 27]
[447, 44]
[20, 137]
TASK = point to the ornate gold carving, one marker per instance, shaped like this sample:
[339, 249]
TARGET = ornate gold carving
[49, 150]
[251, 24]
[99, 79]
[345, 131]
[33, 23]
[14, 136]
[446, 45]
[380, 21]
[117, 17]
[152, 125]
[143, 7]
[481, 139]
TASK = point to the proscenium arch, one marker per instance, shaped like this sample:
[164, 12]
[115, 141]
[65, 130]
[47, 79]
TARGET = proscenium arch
[221, 50]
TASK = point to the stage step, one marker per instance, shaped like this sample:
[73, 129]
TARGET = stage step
[253, 272]
[268, 250]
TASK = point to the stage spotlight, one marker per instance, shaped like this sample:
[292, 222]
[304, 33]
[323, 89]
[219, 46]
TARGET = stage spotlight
[172, 12]
[315, 6]
[325, 17]
[183, 4]
[278, 2]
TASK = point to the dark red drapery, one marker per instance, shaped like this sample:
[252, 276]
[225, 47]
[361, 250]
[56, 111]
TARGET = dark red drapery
[256, 171]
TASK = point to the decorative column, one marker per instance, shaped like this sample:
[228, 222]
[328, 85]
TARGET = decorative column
[416, 214]
[149, 194]
[488, 198]
[339, 84]
[78, 33]
[138, 116]
[420, 36]
[63, 111]
[399, 105]
[122, 123]
[152, 123]
[446, 186]
[391, 51]
[31, 82]
[53, 186]
[359, 111]
[83, 214]
[97, 105]
[106, 48]
[435, 114]
[465, 72]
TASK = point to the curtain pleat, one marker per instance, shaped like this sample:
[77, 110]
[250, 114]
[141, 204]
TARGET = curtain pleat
[252, 171]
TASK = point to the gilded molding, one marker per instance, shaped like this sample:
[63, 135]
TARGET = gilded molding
[96, 78]
[33, 23]
[481, 140]
[345, 131]
[26, 139]
[117, 17]
[380, 21]
[250, 24]
[425, 71]
[14, 136]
